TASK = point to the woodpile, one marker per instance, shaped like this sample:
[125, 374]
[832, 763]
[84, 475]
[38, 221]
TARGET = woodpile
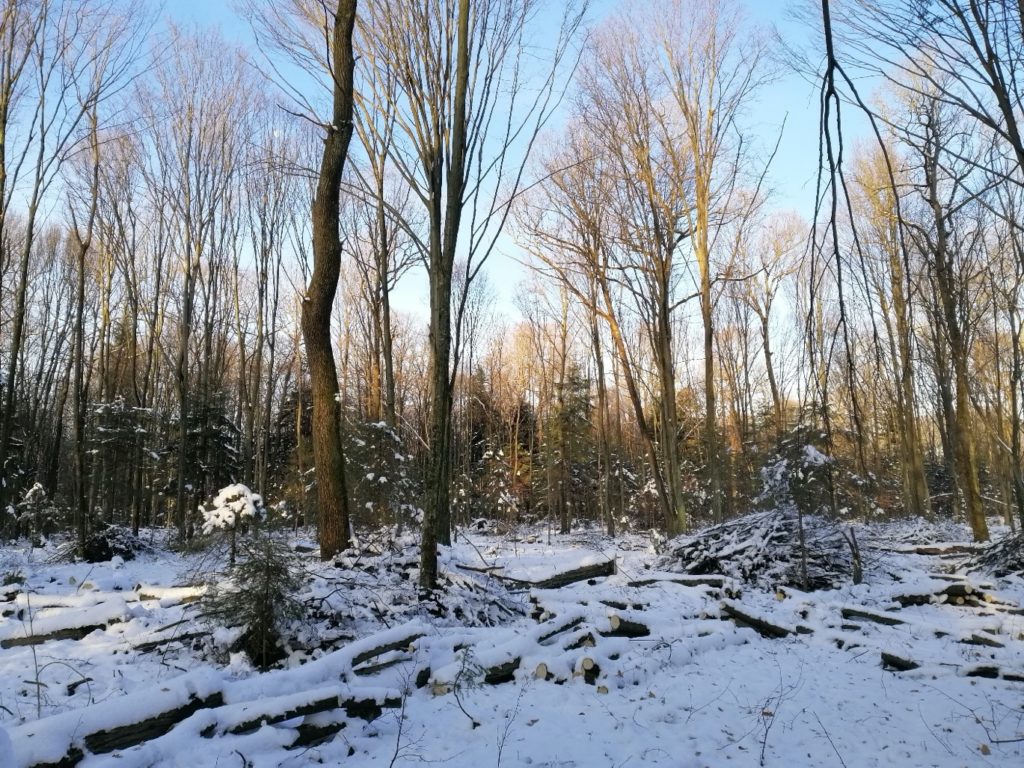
[764, 549]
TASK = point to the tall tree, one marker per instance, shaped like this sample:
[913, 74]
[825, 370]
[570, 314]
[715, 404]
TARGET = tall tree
[328, 452]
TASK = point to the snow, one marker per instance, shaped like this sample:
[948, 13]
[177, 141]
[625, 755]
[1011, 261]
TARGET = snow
[232, 505]
[698, 691]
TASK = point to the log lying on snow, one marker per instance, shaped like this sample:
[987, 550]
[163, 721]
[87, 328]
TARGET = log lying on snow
[555, 581]
[583, 573]
[185, 637]
[715, 582]
[759, 624]
[61, 740]
[145, 715]
[961, 593]
[67, 633]
[986, 671]
[625, 627]
[900, 664]
[70, 624]
[878, 618]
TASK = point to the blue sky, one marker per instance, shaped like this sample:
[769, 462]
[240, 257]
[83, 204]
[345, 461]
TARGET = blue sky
[790, 98]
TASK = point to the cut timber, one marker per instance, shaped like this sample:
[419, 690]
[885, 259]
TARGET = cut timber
[759, 625]
[401, 644]
[369, 708]
[502, 673]
[960, 593]
[976, 639]
[311, 732]
[589, 670]
[583, 573]
[892, 661]
[131, 734]
[621, 627]
[66, 633]
[717, 582]
[558, 628]
[272, 711]
[152, 645]
[877, 618]
[621, 605]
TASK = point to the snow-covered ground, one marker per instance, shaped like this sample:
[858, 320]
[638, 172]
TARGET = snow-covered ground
[584, 685]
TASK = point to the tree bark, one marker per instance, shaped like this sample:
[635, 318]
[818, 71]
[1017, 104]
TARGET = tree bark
[328, 453]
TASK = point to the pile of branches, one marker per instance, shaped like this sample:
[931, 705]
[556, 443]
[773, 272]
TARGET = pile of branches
[764, 549]
[379, 587]
[1004, 557]
[105, 543]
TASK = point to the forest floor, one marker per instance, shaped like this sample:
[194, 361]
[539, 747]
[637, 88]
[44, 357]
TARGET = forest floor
[922, 664]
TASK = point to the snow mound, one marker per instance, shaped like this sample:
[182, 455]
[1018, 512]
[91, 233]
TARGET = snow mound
[763, 549]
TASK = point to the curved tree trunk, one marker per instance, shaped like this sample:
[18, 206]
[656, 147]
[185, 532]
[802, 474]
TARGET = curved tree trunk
[332, 494]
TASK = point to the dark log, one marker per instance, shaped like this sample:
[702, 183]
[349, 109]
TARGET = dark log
[374, 669]
[131, 734]
[877, 618]
[67, 633]
[502, 673]
[369, 709]
[312, 734]
[559, 629]
[583, 573]
[716, 582]
[976, 639]
[989, 672]
[891, 661]
[625, 628]
[152, 645]
[268, 716]
[759, 625]
[395, 645]
[621, 605]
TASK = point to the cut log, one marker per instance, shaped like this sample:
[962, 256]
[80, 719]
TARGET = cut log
[129, 735]
[584, 639]
[583, 573]
[557, 629]
[152, 645]
[312, 733]
[961, 593]
[877, 618]
[380, 666]
[589, 670]
[271, 711]
[502, 673]
[65, 633]
[621, 627]
[717, 582]
[369, 709]
[621, 605]
[759, 625]
[976, 639]
[892, 661]
[988, 672]
[400, 644]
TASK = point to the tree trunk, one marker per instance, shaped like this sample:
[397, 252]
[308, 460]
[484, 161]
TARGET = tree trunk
[328, 453]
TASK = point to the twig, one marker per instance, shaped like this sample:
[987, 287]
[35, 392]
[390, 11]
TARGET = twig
[825, 731]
